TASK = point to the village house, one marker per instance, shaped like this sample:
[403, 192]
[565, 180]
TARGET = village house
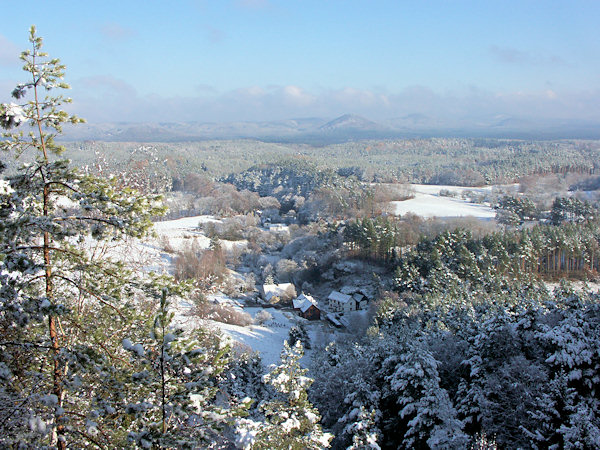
[275, 293]
[361, 300]
[278, 227]
[358, 294]
[310, 311]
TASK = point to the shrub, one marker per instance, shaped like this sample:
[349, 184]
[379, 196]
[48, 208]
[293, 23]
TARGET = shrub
[165, 244]
[447, 193]
[204, 309]
[206, 267]
[263, 316]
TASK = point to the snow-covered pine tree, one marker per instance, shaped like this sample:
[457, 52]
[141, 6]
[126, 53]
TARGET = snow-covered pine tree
[63, 312]
[363, 430]
[573, 356]
[426, 417]
[361, 422]
[292, 421]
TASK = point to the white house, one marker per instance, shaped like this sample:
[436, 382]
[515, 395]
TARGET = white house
[339, 302]
[278, 227]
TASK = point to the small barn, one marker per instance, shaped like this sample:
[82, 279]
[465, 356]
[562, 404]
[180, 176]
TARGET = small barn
[334, 320]
[310, 311]
[307, 307]
[301, 299]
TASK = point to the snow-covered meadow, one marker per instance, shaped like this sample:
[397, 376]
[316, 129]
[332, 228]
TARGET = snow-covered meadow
[428, 202]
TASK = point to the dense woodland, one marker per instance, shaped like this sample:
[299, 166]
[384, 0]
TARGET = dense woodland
[455, 161]
[465, 346]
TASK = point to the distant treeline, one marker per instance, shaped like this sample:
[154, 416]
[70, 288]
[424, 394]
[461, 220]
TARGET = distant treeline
[454, 161]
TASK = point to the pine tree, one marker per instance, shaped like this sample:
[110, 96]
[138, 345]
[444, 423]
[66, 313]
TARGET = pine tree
[299, 333]
[63, 311]
[361, 422]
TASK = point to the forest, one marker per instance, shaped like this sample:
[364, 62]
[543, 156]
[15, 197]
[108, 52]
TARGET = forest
[478, 334]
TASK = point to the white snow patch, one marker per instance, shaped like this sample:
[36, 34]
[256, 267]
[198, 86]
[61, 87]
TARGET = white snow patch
[266, 339]
[184, 223]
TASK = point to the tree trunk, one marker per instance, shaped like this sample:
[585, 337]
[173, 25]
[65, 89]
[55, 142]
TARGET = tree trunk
[57, 437]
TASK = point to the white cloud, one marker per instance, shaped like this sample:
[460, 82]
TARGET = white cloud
[9, 53]
[296, 96]
[107, 99]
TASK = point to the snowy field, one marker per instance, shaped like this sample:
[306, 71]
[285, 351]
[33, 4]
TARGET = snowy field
[429, 203]
[180, 231]
[151, 254]
[266, 339]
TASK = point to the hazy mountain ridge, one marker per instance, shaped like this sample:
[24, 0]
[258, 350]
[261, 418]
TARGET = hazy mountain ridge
[343, 128]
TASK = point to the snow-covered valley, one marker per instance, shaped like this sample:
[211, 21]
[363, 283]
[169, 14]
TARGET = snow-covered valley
[267, 338]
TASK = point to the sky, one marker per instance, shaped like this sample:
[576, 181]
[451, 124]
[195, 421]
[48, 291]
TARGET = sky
[253, 60]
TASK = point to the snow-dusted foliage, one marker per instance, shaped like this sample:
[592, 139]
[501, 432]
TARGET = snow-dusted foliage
[363, 431]
[426, 412]
[508, 367]
[361, 422]
[299, 333]
[437, 263]
[176, 378]
[292, 421]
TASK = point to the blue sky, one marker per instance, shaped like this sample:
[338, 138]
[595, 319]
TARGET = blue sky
[268, 59]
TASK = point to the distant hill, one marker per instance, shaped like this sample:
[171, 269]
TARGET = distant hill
[350, 122]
